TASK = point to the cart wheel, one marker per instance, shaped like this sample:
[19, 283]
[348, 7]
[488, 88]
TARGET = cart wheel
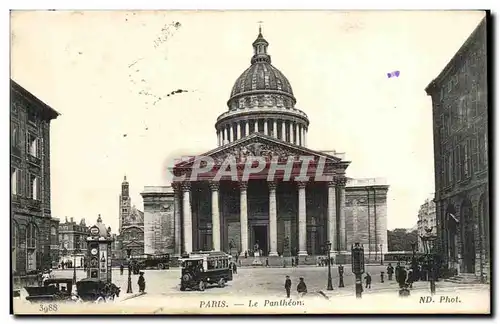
[202, 285]
[221, 282]
[161, 266]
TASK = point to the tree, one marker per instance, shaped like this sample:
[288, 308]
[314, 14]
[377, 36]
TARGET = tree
[400, 239]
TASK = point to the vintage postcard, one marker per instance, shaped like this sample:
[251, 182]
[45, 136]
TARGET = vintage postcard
[249, 162]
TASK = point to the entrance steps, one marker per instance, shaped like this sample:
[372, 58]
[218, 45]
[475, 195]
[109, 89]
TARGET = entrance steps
[276, 261]
[464, 278]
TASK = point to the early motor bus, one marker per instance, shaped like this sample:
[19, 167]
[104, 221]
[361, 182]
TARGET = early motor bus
[200, 269]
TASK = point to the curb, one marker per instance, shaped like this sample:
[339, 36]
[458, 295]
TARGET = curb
[133, 296]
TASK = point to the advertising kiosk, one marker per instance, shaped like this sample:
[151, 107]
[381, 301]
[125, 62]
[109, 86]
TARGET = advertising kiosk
[99, 252]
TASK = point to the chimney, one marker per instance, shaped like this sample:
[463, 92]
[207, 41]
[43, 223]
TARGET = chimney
[71, 219]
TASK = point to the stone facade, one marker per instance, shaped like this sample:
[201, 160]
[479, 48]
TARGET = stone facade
[73, 241]
[426, 219]
[31, 223]
[159, 220]
[460, 122]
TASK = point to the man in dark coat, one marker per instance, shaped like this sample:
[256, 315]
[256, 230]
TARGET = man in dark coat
[368, 279]
[401, 274]
[301, 287]
[288, 286]
[398, 270]
[235, 270]
[390, 271]
[121, 268]
[141, 282]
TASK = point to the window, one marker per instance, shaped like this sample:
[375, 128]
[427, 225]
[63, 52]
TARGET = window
[449, 167]
[32, 145]
[467, 160]
[31, 116]
[53, 235]
[33, 187]
[16, 181]
[124, 210]
[474, 154]
[15, 136]
[31, 246]
[482, 149]
[14, 245]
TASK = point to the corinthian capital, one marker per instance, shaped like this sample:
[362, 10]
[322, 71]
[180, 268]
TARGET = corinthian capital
[214, 185]
[340, 181]
[301, 184]
[243, 185]
[186, 186]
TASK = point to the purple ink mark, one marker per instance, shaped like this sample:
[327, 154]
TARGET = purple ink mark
[393, 74]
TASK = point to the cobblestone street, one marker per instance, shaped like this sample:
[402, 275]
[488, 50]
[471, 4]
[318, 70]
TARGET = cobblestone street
[266, 281]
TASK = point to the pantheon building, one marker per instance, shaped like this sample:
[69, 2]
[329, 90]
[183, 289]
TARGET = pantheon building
[280, 218]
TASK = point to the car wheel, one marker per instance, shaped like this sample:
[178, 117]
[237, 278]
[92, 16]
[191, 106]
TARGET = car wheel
[202, 285]
[161, 266]
[221, 282]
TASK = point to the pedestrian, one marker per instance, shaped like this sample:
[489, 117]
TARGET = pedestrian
[246, 254]
[235, 270]
[121, 269]
[398, 271]
[141, 282]
[390, 271]
[409, 281]
[267, 262]
[368, 279]
[401, 274]
[302, 287]
[288, 286]
[293, 262]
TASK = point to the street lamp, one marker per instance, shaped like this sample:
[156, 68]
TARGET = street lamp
[328, 246]
[428, 240]
[75, 251]
[381, 256]
[129, 282]
[358, 266]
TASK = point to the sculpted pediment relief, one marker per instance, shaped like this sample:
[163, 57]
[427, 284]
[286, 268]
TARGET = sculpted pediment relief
[261, 147]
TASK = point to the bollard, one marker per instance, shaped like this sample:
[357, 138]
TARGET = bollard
[382, 277]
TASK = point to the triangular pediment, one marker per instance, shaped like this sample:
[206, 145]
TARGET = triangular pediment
[260, 145]
[133, 244]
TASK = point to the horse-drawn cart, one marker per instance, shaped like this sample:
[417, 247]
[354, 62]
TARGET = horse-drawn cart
[53, 290]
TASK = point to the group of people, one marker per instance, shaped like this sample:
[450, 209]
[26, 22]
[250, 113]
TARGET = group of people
[323, 261]
[65, 264]
[301, 286]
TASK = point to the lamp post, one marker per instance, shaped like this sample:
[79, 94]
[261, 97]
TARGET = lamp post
[328, 246]
[428, 240]
[129, 282]
[358, 266]
[381, 256]
[76, 250]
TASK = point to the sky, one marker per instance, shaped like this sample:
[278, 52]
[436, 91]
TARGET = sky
[101, 70]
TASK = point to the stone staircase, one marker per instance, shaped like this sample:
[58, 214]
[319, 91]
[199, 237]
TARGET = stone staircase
[464, 278]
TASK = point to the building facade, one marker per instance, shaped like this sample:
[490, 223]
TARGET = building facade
[426, 220]
[32, 226]
[278, 217]
[131, 225]
[73, 241]
[460, 122]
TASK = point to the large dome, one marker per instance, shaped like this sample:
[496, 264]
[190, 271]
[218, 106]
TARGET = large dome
[261, 83]
[261, 76]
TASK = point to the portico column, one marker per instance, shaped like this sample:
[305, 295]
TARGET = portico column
[273, 222]
[302, 218]
[266, 131]
[297, 136]
[304, 131]
[247, 127]
[256, 126]
[231, 135]
[177, 219]
[214, 188]
[223, 137]
[283, 130]
[243, 217]
[238, 130]
[187, 217]
[340, 184]
[275, 128]
[332, 216]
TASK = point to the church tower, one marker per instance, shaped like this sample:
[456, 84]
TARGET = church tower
[125, 203]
